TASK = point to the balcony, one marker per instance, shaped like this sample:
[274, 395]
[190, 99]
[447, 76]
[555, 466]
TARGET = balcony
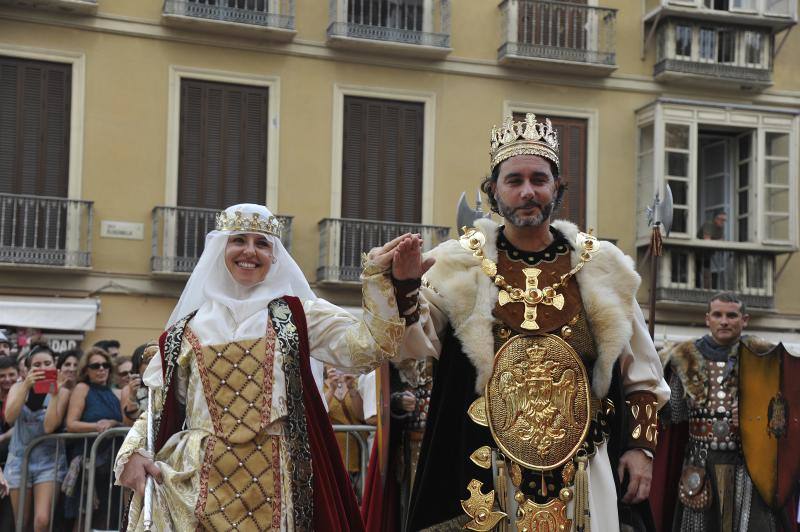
[43, 231]
[179, 235]
[558, 36]
[694, 273]
[777, 15]
[418, 28]
[342, 241]
[74, 7]
[676, 69]
[273, 19]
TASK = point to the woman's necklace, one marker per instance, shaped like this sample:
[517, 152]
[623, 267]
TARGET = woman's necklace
[531, 296]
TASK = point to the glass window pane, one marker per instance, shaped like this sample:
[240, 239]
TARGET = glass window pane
[778, 144]
[683, 41]
[679, 220]
[753, 47]
[744, 174]
[726, 53]
[677, 164]
[679, 191]
[779, 7]
[778, 227]
[755, 271]
[778, 199]
[743, 230]
[744, 202]
[744, 147]
[778, 172]
[679, 267]
[677, 136]
[708, 43]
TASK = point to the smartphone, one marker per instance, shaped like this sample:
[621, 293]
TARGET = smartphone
[48, 384]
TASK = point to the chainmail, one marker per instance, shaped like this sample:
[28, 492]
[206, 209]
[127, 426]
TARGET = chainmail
[678, 407]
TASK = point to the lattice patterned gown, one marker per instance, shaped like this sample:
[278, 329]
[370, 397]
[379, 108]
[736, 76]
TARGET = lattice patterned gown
[240, 462]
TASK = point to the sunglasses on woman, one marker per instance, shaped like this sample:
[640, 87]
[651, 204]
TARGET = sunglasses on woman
[98, 365]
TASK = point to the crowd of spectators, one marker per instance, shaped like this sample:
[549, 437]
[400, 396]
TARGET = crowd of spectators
[77, 392]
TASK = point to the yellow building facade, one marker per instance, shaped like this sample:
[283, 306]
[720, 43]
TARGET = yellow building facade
[331, 110]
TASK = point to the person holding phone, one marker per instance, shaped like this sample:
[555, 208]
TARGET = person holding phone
[27, 403]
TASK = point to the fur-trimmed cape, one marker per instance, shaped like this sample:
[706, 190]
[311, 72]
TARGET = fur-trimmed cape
[608, 285]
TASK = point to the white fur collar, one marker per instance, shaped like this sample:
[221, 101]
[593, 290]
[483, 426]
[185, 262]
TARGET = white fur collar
[607, 283]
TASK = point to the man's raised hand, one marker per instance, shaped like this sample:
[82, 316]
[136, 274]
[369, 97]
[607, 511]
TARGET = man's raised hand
[408, 263]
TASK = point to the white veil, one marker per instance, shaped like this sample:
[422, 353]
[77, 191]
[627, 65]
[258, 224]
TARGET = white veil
[211, 280]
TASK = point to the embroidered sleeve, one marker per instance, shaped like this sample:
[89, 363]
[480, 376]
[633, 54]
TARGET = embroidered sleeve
[340, 339]
[422, 339]
[641, 410]
[407, 293]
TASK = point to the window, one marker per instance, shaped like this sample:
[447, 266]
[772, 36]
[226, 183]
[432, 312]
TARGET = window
[776, 186]
[34, 154]
[683, 41]
[708, 44]
[400, 14]
[34, 127]
[223, 154]
[750, 174]
[676, 165]
[382, 160]
[726, 52]
[753, 48]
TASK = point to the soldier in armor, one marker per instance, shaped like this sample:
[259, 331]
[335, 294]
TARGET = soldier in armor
[716, 492]
[545, 398]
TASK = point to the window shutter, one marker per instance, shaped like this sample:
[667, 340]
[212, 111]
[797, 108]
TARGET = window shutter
[572, 139]
[34, 127]
[382, 160]
[223, 144]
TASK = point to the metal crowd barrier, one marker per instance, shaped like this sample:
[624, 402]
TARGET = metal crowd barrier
[88, 468]
[360, 433]
[89, 460]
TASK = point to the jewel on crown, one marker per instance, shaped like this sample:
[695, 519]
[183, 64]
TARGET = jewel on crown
[254, 223]
[529, 131]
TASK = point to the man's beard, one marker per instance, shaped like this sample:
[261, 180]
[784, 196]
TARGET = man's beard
[511, 216]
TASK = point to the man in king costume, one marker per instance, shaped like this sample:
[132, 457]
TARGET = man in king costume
[547, 388]
[242, 440]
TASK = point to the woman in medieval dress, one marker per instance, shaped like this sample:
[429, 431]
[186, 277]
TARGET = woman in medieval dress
[242, 439]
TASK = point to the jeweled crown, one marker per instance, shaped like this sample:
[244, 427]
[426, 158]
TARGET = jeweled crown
[254, 223]
[528, 137]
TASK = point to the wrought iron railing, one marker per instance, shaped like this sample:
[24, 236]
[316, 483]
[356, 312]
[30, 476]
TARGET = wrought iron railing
[179, 235]
[401, 21]
[343, 240]
[559, 31]
[267, 13]
[45, 231]
[693, 274]
[713, 70]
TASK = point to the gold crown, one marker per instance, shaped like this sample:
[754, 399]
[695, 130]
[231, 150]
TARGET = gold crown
[249, 224]
[523, 138]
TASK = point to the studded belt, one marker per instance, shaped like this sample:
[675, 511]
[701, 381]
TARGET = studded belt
[716, 434]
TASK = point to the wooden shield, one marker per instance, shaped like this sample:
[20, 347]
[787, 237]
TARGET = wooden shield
[769, 399]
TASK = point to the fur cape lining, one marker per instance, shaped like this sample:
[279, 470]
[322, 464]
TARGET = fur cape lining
[607, 284]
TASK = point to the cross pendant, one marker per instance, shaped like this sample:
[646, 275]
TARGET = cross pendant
[531, 297]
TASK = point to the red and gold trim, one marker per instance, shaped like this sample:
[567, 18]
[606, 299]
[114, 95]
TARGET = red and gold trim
[641, 408]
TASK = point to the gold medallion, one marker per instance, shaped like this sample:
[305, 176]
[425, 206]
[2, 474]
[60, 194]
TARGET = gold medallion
[550, 517]
[538, 401]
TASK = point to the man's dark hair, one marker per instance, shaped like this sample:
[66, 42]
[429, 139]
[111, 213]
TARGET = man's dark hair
[8, 362]
[488, 181]
[105, 344]
[64, 355]
[728, 297]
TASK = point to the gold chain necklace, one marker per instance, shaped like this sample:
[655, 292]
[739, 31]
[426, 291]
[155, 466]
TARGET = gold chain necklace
[531, 296]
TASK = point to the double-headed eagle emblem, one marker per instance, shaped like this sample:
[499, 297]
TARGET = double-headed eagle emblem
[538, 408]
